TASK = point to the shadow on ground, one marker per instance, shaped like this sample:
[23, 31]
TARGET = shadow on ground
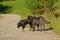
[46, 29]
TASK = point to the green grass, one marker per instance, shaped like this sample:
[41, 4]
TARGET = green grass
[18, 7]
[55, 24]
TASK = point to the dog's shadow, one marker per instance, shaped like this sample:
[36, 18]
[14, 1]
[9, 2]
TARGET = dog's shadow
[46, 29]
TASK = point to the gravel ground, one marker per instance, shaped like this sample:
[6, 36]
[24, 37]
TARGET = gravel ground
[9, 31]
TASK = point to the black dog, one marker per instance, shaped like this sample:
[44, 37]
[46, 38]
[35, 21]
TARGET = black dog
[22, 23]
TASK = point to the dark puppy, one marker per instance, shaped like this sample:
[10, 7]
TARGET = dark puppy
[22, 23]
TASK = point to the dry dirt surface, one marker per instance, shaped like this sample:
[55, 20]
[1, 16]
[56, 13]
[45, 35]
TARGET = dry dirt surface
[9, 31]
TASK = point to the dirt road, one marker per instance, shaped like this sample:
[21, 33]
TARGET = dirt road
[9, 31]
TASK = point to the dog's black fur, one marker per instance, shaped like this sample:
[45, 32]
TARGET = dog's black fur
[22, 23]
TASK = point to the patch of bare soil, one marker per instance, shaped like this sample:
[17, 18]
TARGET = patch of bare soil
[9, 31]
